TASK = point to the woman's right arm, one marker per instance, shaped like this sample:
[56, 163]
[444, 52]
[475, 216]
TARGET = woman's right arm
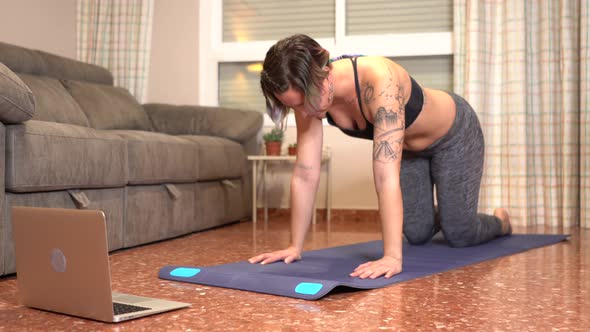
[304, 184]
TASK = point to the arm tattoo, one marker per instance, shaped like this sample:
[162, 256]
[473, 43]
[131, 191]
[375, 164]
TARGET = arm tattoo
[389, 120]
[386, 93]
[400, 98]
[383, 135]
[368, 95]
[384, 153]
[303, 166]
[385, 118]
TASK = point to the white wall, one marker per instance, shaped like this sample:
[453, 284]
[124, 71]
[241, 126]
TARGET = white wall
[47, 25]
[50, 25]
[173, 76]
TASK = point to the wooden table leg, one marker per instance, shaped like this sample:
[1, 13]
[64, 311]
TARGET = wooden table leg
[265, 192]
[254, 181]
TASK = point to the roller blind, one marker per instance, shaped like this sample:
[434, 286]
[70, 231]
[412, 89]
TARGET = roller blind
[434, 72]
[239, 86]
[239, 82]
[369, 17]
[253, 20]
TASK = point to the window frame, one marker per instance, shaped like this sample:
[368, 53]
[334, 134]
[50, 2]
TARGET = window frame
[212, 49]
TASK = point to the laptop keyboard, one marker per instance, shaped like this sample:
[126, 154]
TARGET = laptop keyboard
[122, 308]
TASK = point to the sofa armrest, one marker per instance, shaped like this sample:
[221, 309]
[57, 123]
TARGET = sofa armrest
[17, 103]
[237, 125]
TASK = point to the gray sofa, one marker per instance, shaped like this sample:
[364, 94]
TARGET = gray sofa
[70, 139]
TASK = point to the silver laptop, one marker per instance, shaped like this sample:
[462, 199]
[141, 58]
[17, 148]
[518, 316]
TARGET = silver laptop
[62, 265]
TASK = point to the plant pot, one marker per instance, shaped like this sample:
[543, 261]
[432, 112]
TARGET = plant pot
[273, 148]
[292, 150]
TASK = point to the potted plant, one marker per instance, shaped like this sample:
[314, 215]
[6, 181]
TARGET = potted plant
[273, 140]
[292, 149]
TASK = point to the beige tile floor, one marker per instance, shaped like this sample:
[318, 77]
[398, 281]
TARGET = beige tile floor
[545, 289]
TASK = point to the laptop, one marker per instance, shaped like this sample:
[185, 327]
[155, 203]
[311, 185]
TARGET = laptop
[62, 265]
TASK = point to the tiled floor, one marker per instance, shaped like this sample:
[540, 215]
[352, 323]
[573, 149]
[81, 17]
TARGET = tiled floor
[544, 289]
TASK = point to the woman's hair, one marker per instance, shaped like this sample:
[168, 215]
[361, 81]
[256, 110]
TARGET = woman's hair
[296, 62]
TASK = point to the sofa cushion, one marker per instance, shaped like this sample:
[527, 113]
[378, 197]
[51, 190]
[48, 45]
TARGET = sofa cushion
[109, 107]
[156, 158]
[17, 103]
[237, 125]
[43, 156]
[54, 103]
[28, 61]
[219, 158]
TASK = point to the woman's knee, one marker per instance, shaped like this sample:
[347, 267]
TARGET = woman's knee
[461, 239]
[458, 242]
[418, 238]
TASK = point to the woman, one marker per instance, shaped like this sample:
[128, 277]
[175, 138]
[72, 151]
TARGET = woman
[421, 137]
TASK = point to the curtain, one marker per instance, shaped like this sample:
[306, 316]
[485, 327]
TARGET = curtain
[117, 35]
[585, 114]
[523, 66]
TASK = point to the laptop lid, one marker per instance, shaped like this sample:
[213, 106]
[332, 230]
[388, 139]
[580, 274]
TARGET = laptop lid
[62, 261]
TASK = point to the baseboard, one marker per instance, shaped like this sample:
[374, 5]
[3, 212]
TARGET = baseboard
[336, 214]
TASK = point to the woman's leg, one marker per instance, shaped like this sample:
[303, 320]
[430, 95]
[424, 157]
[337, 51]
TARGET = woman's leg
[457, 171]
[416, 184]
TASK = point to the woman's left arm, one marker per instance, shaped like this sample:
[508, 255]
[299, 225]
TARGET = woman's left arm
[384, 99]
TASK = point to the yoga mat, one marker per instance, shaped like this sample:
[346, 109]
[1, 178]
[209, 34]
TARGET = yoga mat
[320, 271]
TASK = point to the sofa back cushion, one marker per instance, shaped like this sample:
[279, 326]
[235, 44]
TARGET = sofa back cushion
[108, 107]
[28, 61]
[54, 103]
[17, 103]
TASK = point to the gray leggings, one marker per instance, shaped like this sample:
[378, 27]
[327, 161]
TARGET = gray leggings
[454, 163]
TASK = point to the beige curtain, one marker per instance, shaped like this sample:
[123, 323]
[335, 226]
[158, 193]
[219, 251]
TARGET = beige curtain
[523, 65]
[585, 114]
[117, 35]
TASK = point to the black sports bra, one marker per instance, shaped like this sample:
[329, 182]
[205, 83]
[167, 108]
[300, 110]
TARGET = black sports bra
[412, 108]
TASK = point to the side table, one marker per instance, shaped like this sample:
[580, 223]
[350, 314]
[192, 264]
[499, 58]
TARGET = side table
[262, 160]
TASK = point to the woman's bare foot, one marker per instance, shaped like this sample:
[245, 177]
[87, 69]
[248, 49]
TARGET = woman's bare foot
[504, 217]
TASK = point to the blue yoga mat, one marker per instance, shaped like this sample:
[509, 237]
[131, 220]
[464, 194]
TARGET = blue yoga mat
[320, 271]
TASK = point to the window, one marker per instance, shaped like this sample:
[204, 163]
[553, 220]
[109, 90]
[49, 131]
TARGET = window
[434, 72]
[239, 86]
[401, 16]
[235, 35]
[252, 20]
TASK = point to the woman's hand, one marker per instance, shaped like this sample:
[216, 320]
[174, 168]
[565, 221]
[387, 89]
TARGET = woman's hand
[288, 255]
[387, 266]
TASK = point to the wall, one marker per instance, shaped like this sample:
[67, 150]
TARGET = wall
[352, 173]
[43, 25]
[173, 76]
[50, 25]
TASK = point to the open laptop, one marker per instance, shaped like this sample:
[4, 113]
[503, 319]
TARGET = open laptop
[62, 265]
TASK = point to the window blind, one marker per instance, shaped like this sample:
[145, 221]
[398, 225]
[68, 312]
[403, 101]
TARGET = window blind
[239, 87]
[435, 72]
[369, 17]
[254, 20]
